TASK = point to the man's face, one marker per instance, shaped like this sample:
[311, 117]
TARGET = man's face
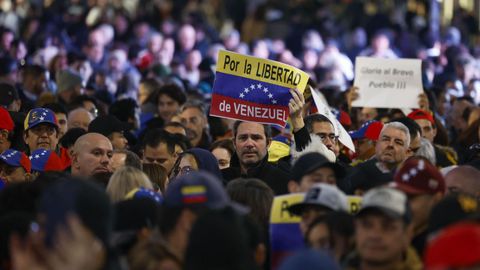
[12, 174]
[223, 157]
[367, 114]
[40, 84]
[160, 155]
[326, 132]
[41, 136]
[118, 160]
[94, 157]
[391, 148]
[415, 144]
[4, 142]
[309, 214]
[380, 239]
[321, 175]
[365, 148]
[194, 120]
[428, 131]
[251, 144]
[118, 140]
[167, 107]
[62, 124]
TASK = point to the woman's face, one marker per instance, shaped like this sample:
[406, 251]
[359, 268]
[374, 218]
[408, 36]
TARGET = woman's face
[223, 157]
[187, 164]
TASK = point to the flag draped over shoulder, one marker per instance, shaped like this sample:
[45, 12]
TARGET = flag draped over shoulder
[254, 89]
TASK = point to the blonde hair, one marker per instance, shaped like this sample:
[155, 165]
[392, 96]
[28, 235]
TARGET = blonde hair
[124, 180]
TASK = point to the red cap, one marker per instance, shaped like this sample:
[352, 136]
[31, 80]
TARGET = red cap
[457, 246]
[418, 176]
[421, 114]
[6, 121]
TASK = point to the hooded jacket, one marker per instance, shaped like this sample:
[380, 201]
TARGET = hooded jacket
[206, 161]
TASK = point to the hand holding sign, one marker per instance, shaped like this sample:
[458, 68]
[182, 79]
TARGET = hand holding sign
[295, 107]
[387, 83]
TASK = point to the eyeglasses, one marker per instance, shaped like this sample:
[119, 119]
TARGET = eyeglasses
[325, 136]
[39, 130]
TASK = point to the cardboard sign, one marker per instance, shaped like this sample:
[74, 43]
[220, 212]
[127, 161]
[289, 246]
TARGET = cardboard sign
[285, 234]
[254, 89]
[388, 83]
[340, 131]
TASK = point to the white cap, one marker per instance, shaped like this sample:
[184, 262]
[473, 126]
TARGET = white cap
[388, 200]
[325, 195]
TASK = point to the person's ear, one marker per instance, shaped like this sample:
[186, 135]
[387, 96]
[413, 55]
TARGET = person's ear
[269, 141]
[293, 186]
[260, 254]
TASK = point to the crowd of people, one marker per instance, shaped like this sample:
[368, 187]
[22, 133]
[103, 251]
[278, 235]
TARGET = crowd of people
[109, 158]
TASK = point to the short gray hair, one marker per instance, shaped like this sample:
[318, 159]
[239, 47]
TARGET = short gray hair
[399, 126]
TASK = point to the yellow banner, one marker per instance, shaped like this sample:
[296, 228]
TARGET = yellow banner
[261, 69]
[280, 214]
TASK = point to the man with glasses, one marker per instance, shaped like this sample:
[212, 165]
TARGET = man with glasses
[42, 132]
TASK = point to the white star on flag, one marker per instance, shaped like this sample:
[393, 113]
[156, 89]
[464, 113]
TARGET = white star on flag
[274, 101]
[42, 118]
[252, 86]
[242, 95]
[37, 156]
[265, 90]
[247, 90]
[30, 157]
[259, 86]
[270, 95]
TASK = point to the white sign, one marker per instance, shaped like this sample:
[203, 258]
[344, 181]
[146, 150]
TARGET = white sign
[388, 83]
[324, 110]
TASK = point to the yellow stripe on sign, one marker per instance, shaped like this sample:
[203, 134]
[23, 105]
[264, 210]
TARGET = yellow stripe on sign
[193, 190]
[280, 215]
[264, 70]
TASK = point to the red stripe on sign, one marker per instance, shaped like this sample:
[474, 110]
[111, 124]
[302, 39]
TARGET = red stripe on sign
[233, 108]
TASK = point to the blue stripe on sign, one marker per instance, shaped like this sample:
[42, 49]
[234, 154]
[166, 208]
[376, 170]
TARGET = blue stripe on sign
[286, 237]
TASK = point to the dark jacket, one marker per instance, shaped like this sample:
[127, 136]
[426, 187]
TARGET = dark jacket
[276, 178]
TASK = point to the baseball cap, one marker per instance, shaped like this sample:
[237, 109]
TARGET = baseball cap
[144, 193]
[309, 162]
[323, 195]
[391, 202]
[107, 124]
[419, 176]
[6, 121]
[418, 114]
[199, 189]
[8, 94]
[456, 246]
[39, 116]
[45, 161]
[369, 130]
[16, 158]
[451, 209]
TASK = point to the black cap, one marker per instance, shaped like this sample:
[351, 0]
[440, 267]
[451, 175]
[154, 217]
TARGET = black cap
[107, 124]
[309, 162]
[8, 93]
[452, 209]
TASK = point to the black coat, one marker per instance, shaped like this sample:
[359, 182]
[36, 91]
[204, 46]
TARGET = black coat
[276, 178]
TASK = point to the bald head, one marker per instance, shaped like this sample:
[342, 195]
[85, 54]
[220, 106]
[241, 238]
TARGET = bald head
[79, 118]
[92, 153]
[464, 179]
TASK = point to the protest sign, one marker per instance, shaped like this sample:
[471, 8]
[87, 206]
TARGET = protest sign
[388, 83]
[254, 89]
[285, 234]
[340, 131]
